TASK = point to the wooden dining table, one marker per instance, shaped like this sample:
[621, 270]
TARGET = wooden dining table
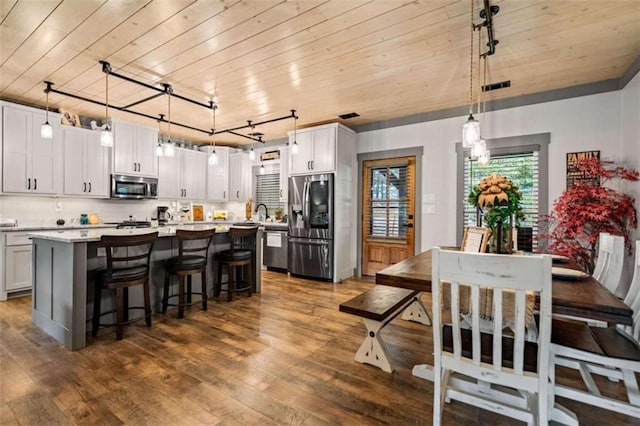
[584, 298]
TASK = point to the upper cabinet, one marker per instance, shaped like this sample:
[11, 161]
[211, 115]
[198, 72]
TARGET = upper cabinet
[183, 175]
[134, 150]
[218, 177]
[316, 150]
[86, 163]
[30, 163]
[239, 177]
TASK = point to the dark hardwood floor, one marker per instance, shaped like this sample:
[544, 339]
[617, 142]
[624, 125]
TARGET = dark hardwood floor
[285, 356]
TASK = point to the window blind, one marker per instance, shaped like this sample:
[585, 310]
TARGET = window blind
[523, 170]
[268, 191]
[388, 202]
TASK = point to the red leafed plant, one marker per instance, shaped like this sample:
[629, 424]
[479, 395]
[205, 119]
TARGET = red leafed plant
[583, 211]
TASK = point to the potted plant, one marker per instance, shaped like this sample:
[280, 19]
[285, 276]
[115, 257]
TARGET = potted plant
[498, 200]
[278, 211]
[583, 211]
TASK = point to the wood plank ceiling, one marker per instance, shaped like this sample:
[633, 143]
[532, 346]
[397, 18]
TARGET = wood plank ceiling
[261, 58]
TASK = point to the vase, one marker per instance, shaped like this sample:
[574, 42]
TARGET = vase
[501, 239]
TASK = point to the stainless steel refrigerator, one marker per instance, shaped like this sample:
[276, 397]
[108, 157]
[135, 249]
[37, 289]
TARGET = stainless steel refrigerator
[310, 252]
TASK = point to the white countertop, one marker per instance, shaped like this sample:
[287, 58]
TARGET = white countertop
[22, 228]
[91, 235]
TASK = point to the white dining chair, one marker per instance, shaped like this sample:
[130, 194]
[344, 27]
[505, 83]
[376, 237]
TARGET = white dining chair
[602, 261]
[461, 370]
[613, 352]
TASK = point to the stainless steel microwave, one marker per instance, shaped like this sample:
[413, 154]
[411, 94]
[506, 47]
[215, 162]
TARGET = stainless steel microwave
[133, 187]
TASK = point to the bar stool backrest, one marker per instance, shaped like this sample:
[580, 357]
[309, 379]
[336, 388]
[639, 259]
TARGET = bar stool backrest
[127, 251]
[243, 238]
[194, 243]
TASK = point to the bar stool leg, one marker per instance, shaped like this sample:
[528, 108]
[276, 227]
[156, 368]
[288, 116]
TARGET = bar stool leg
[189, 288]
[231, 280]
[147, 303]
[180, 295]
[251, 277]
[125, 304]
[217, 286]
[97, 297]
[204, 289]
[165, 295]
[119, 314]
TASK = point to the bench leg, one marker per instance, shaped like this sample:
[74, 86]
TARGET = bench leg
[416, 312]
[373, 350]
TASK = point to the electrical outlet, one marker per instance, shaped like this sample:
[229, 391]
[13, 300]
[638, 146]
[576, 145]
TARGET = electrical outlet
[58, 206]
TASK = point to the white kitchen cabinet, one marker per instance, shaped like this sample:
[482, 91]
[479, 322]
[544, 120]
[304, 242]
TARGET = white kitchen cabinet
[283, 195]
[218, 177]
[239, 177]
[30, 163]
[86, 163]
[134, 150]
[183, 176]
[316, 150]
[17, 262]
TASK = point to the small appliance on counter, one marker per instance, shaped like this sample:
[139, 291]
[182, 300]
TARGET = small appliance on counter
[163, 215]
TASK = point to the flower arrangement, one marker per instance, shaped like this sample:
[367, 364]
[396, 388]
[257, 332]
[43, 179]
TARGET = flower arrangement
[498, 198]
[583, 211]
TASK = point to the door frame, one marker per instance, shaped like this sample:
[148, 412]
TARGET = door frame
[381, 155]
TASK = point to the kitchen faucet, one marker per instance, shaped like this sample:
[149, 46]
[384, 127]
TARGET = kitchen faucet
[266, 210]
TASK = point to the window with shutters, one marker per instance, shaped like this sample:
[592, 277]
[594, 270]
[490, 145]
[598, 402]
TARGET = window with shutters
[523, 170]
[268, 191]
[388, 202]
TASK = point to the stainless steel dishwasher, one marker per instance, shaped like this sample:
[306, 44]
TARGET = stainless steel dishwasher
[274, 247]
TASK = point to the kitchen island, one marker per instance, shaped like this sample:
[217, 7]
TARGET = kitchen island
[63, 266]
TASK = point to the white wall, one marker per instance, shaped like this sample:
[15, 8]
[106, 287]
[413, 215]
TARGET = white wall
[577, 124]
[630, 149]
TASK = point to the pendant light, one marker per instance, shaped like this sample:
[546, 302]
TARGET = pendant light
[106, 136]
[471, 129]
[46, 130]
[213, 157]
[252, 153]
[168, 146]
[262, 170]
[478, 149]
[485, 158]
[159, 147]
[294, 146]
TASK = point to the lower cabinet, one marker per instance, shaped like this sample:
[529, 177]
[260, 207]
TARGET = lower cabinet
[17, 262]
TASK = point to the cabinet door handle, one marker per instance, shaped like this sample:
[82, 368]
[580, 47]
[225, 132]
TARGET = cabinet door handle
[185, 192]
[35, 184]
[29, 183]
[134, 167]
[280, 192]
[224, 194]
[139, 168]
[84, 186]
[237, 194]
[89, 186]
[311, 164]
[308, 165]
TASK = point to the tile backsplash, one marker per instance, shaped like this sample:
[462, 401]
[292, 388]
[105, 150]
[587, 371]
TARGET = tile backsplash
[44, 211]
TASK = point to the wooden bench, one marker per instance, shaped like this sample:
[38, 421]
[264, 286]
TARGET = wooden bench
[378, 307]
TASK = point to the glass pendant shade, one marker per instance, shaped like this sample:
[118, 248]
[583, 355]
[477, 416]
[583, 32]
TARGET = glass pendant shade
[478, 149]
[213, 158]
[485, 158]
[252, 155]
[106, 137]
[294, 148]
[470, 132]
[159, 150]
[262, 170]
[168, 150]
[46, 131]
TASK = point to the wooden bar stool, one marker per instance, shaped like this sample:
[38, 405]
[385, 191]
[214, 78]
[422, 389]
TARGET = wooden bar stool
[241, 254]
[193, 254]
[127, 266]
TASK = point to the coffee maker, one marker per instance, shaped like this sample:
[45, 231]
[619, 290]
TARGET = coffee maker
[163, 215]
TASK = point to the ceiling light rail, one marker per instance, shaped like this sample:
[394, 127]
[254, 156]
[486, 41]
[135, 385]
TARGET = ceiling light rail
[166, 89]
[487, 14]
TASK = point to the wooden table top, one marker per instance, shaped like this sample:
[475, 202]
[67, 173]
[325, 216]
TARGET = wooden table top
[585, 298]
